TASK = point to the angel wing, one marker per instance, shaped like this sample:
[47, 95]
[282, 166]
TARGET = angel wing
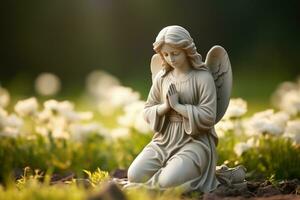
[156, 65]
[218, 63]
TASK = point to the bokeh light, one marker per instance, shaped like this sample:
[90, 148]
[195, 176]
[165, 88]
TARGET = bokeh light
[47, 84]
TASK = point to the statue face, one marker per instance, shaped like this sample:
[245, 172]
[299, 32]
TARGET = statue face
[175, 57]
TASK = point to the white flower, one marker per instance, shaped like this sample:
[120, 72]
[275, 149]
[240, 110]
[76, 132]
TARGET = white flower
[27, 107]
[236, 108]
[47, 84]
[61, 107]
[57, 126]
[10, 132]
[73, 116]
[120, 132]
[11, 126]
[4, 97]
[240, 148]
[133, 117]
[98, 83]
[291, 102]
[287, 97]
[141, 125]
[292, 131]
[3, 115]
[131, 112]
[42, 130]
[65, 109]
[14, 121]
[223, 126]
[79, 131]
[60, 119]
[44, 116]
[115, 98]
[253, 142]
[266, 122]
[85, 115]
[120, 96]
[59, 132]
[106, 108]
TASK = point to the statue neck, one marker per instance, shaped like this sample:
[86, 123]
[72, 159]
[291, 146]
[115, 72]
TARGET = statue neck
[182, 70]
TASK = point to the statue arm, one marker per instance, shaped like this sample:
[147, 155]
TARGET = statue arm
[181, 109]
[154, 110]
[162, 109]
[201, 117]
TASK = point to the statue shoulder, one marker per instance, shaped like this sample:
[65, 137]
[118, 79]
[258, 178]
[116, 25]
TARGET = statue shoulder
[204, 76]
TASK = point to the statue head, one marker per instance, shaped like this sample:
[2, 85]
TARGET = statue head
[178, 37]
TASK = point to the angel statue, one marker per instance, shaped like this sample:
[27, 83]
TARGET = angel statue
[187, 98]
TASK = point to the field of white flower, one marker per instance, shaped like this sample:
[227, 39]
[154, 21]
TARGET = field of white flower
[53, 136]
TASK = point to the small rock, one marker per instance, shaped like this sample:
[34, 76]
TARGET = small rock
[289, 187]
[267, 191]
[265, 183]
[230, 191]
[58, 179]
[119, 173]
[253, 186]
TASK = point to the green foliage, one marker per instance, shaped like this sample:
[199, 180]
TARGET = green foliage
[225, 149]
[274, 156]
[61, 155]
[97, 177]
[28, 175]
[31, 186]
[128, 148]
[33, 189]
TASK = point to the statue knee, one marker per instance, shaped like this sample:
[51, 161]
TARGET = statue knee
[165, 182]
[132, 175]
[136, 175]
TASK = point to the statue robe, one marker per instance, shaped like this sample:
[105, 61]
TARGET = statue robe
[177, 137]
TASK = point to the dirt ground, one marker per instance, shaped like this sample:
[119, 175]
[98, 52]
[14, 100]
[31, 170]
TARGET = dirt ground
[264, 190]
[255, 190]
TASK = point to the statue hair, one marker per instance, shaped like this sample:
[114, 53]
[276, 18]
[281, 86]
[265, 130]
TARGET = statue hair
[178, 37]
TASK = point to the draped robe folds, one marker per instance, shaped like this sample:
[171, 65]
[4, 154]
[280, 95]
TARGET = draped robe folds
[193, 138]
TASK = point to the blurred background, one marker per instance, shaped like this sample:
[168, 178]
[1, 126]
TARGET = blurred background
[71, 38]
